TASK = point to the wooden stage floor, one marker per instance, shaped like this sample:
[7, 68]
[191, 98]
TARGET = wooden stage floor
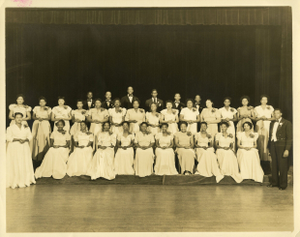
[150, 208]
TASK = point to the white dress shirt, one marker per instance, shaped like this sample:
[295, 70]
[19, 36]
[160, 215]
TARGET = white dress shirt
[130, 97]
[276, 124]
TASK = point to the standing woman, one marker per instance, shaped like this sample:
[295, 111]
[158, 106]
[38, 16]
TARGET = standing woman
[263, 118]
[55, 161]
[116, 117]
[212, 117]
[226, 157]
[144, 158]
[170, 116]
[207, 159]
[245, 113]
[153, 118]
[135, 117]
[165, 157]
[102, 164]
[97, 116]
[19, 168]
[41, 130]
[184, 142]
[247, 154]
[19, 107]
[78, 116]
[82, 156]
[190, 115]
[61, 112]
[124, 155]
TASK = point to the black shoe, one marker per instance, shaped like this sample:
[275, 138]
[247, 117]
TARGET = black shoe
[272, 186]
[282, 188]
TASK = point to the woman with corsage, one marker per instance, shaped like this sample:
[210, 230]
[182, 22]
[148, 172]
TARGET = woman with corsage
[19, 107]
[190, 115]
[170, 116]
[116, 117]
[61, 112]
[153, 118]
[245, 113]
[135, 117]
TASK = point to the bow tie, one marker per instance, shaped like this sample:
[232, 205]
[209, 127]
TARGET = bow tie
[277, 121]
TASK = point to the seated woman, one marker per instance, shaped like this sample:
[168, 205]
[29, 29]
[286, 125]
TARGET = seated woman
[124, 155]
[19, 107]
[61, 112]
[102, 164]
[165, 157]
[55, 161]
[19, 169]
[144, 158]
[170, 116]
[83, 153]
[116, 117]
[191, 116]
[184, 148]
[135, 117]
[153, 119]
[207, 159]
[225, 155]
[247, 154]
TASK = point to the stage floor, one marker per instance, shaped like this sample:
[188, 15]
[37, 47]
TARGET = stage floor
[151, 208]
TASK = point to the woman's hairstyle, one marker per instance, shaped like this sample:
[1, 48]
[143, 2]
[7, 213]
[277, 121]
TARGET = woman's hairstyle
[116, 99]
[42, 98]
[203, 123]
[80, 100]
[60, 121]
[18, 113]
[125, 122]
[183, 122]
[143, 124]
[84, 122]
[278, 109]
[227, 125]
[169, 101]
[98, 99]
[250, 124]
[164, 124]
[262, 96]
[20, 95]
[152, 103]
[135, 100]
[227, 98]
[245, 97]
[106, 123]
[61, 98]
[210, 101]
[189, 99]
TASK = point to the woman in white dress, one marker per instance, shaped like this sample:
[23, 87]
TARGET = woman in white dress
[226, 157]
[102, 164]
[165, 157]
[78, 115]
[80, 159]
[247, 154]
[212, 117]
[41, 130]
[135, 117]
[19, 168]
[97, 116]
[116, 117]
[124, 156]
[191, 116]
[207, 160]
[19, 107]
[263, 117]
[184, 142]
[144, 157]
[153, 118]
[55, 160]
[245, 113]
[228, 115]
[61, 112]
[170, 116]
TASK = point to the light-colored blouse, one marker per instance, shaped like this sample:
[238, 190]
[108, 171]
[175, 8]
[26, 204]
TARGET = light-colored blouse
[83, 139]
[61, 112]
[224, 141]
[164, 140]
[14, 131]
[125, 141]
[42, 113]
[59, 138]
[106, 139]
[144, 139]
[247, 141]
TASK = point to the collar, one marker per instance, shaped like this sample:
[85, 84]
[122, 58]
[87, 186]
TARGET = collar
[130, 95]
[279, 120]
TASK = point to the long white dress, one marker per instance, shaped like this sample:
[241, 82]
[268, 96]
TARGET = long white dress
[144, 159]
[78, 114]
[190, 114]
[228, 114]
[227, 159]
[186, 157]
[124, 158]
[173, 127]
[165, 158]
[117, 117]
[19, 167]
[23, 109]
[211, 115]
[102, 164]
[249, 161]
[81, 157]
[154, 120]
[262, 128]
[207, 159]
[55, 161]
[62, 113]
[98, 114]
[138, 115]
[41, 131]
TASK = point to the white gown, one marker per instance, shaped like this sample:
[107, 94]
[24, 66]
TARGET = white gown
[138, 115]
[62, 113]
[98, 114]
[81, 157]
[102, 164]
[249, 161]
[190, 114]
[154, 120]
[173, 127]
[23, 109]
[55, 161]
[78, 114]
[19, 167]
[117, 117]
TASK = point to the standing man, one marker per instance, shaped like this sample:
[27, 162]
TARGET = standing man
[107, 103]
[280, 143]
[128, 99]
[177, 104]
[159, 103]
[89, 102]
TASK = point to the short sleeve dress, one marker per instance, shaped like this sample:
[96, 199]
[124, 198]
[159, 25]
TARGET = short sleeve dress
[190, 114]
[23, 109]
[62, 112]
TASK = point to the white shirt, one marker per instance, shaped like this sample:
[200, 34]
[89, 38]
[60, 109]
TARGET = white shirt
[276, 124]
[89, 104]
[154, 100]
[130, 97]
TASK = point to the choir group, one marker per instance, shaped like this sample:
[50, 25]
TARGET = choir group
[119, 137]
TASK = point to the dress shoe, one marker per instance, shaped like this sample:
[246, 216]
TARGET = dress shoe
[272, 186]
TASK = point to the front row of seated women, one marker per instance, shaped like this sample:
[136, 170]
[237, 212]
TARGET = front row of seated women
[115, 154]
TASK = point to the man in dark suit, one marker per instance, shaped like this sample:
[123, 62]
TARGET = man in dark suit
[177, 104]
[159, 103]
[89, 102]
[107, 103]
[280, 143]
[128, 99]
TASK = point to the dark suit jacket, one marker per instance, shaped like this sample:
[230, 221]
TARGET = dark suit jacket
[85, 104]
[284, 133]
[180, 106]
[160, 104]
[125, 102]
[104, 104]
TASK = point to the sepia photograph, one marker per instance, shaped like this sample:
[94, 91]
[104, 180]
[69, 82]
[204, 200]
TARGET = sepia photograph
[149, 117]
